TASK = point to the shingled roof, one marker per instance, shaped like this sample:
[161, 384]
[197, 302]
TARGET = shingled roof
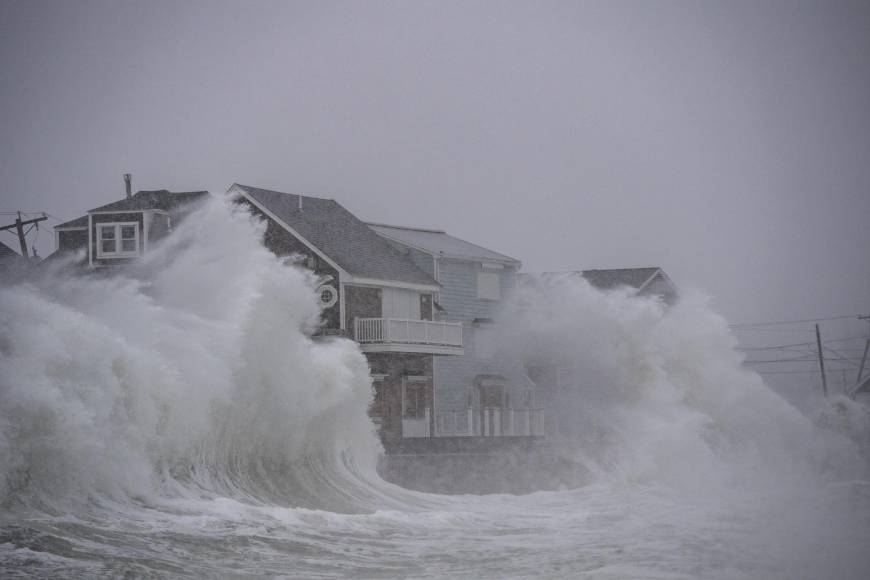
[339, 234]
[440, 243]
[158, 199]
[7, 252]
[631, 277]
[78, 223]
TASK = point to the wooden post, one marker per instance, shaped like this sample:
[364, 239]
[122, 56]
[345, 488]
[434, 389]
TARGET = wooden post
[19, 226]
[863, 360]
[821, 360]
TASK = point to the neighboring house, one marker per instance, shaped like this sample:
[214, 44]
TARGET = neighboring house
[8, 257]
[117, 232]
[650, 281]
[369, 292]
[481, 392]
[563, 387]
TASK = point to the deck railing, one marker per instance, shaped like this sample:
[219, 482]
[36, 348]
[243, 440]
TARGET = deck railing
[490, 422]
[403, 330]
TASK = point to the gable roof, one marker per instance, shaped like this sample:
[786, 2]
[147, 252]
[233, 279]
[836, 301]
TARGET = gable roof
[640, 279]
[339, 234]
[863, 386]
[441, 244]
[78, 223]
[157, 199]
[632, 277]
[7, 252]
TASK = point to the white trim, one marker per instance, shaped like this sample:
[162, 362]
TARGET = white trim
[90, 240]
[237, 189]
[664, 276]
[393, 284]
[117, 211]
[648, 280]
[60, 229]
[341, 308]
[118, 239]
[146, 225]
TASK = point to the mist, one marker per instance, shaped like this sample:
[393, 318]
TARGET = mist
[190, 413]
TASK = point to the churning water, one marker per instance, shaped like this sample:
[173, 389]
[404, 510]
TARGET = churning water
[178, 420]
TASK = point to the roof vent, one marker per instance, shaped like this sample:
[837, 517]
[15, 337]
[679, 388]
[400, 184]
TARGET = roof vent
[128, 184]
[300, 202]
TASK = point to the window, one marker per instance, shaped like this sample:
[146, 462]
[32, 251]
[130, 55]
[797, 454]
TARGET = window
[118, 240]
[414, 397]
[401, 303]
[488, 285]
[379, 401]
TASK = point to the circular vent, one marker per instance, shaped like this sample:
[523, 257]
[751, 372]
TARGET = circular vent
[328, 296]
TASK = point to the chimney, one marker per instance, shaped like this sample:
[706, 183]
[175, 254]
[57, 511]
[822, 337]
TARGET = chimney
[128, 184]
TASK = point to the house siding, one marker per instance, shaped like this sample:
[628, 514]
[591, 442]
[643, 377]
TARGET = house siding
[455, 375]
[72, 240]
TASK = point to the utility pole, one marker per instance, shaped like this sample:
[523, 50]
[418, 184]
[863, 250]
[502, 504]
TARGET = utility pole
[821, 361]
[863, 358]
[19, 226]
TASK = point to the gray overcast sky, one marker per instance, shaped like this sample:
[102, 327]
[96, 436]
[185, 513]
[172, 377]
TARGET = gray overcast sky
[727, 142]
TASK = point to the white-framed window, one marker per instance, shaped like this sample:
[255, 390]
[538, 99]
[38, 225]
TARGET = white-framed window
[488, 285]
[118, 240]
[414, 390]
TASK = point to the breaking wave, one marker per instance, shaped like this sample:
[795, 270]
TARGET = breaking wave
[192, 374]
[177, 418]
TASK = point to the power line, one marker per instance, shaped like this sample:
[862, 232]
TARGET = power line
[787, 372]
[779, 322]
[777, 347]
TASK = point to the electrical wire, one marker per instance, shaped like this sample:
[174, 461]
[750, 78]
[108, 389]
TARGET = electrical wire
[780, 322]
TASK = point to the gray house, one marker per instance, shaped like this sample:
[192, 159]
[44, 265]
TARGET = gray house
[648, 281]
[370, 292]
[479, 393]
[120, 231]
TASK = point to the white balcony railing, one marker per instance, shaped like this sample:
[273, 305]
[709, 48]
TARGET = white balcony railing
[401, 330]
[490, 422]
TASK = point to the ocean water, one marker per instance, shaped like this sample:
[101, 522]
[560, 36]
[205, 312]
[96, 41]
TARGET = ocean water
[178, 420]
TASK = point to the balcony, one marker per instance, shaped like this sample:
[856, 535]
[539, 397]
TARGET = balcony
[404, 335]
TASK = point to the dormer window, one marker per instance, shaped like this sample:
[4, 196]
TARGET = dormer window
[118, 240]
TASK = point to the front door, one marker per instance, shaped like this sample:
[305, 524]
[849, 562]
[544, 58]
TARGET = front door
[493, 401]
